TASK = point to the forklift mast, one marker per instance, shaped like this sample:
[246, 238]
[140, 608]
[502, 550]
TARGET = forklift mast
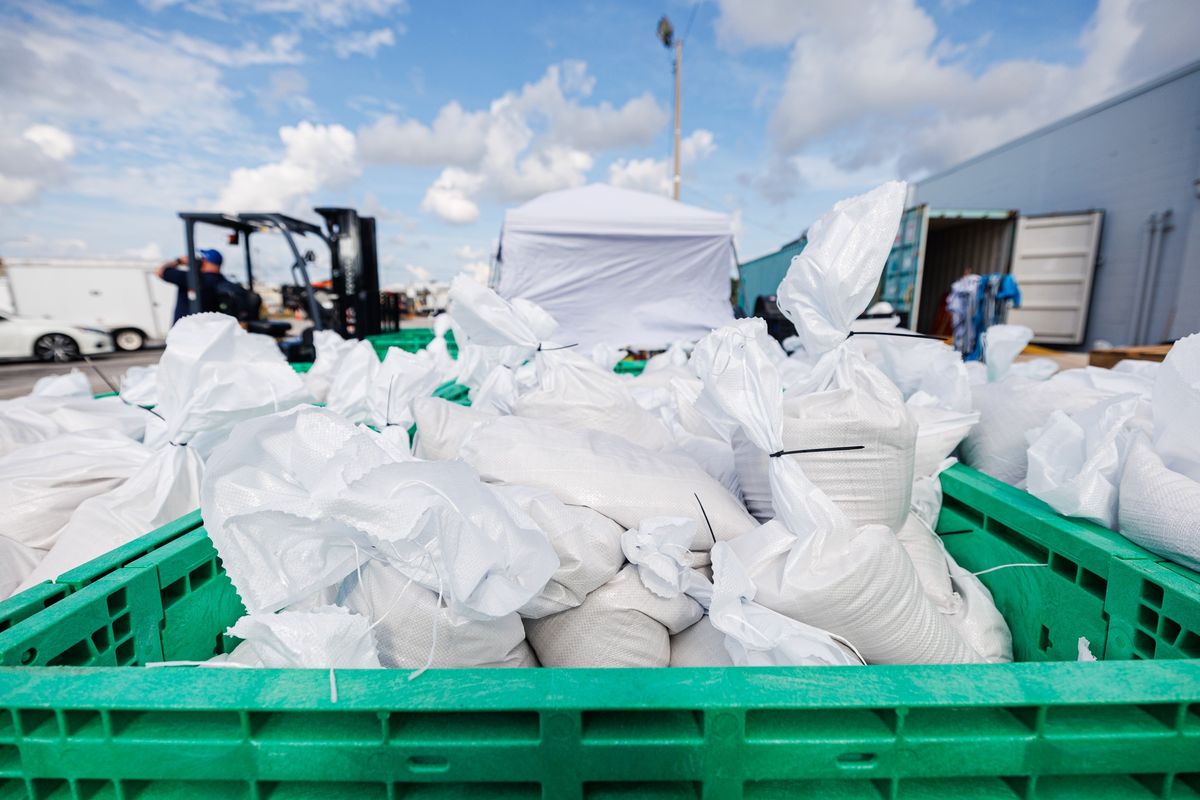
[355, 272]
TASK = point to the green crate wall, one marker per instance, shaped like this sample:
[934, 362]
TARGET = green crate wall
[1125, 727]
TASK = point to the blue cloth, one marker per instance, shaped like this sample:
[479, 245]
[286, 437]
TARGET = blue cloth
[209, 281]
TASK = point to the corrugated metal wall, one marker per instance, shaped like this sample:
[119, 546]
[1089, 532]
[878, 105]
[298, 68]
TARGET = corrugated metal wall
[954, 247]
[1134, 157]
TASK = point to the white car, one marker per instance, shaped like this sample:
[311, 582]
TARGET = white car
[49, 339]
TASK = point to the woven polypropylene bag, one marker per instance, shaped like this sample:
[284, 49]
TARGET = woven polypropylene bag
[609, 474]
[701, 645]
[854, 406]
[588, 545]
[1158, 507]
[404, 616]
[864, 589]
[621, 624]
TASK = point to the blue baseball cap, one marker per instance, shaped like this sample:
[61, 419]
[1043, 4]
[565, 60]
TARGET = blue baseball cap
[212, 255]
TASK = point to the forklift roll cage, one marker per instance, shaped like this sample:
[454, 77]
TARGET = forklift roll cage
[353, 262]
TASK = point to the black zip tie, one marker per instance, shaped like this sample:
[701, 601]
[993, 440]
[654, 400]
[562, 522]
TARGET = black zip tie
[953, 533]
[541, 349]
[779, 453]
[387, 412]
[117, 391]
[705, 513]
[897, 333]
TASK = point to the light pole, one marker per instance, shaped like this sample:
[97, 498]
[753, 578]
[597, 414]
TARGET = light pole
[666, 34]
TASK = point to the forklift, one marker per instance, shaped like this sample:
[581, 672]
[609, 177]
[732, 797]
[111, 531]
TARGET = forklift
[355, 309]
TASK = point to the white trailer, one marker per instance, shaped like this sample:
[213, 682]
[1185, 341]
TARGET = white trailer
[123, 297]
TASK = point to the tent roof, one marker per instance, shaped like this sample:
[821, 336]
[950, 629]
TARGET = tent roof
[602, 209]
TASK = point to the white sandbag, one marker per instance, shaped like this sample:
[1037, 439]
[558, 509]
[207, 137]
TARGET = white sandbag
[294, 502]
[331, 349]
[844, 402]
[709, 442]
[588, 545]
[439, 349]
[1010, 409]
[609, 474]
[811, 563]
[1001, 346]
[139, 386]
[1034, 369]
[606, 356]
[497, 392]
[1177, 408]
[29, 419]
[977, 619]
[954, 591]
[573, 392]
[924, 366]
[928, 557]
[163, 489]
[676, 355]
[1075, 460]
[326, 638]
[621, 624]
[413, 629]
[42, 484]
[831, 281]
[660, 550]
[756, 636]
[513, 331]
[69, 384]
[211, 375]
[939, 432]
[701, 645]
[380, 393]
[16, 562]
[1158, 508]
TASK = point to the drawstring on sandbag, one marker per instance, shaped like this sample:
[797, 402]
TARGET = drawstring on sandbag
[1005, 566]
[779, 453]
[112, 387]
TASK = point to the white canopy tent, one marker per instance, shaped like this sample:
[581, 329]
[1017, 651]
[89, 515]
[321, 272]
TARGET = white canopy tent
[618, 266]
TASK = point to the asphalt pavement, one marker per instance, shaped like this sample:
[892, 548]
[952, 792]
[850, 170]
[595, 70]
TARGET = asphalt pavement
[18, 377]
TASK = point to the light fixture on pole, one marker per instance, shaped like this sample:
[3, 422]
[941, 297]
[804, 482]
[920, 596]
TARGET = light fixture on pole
[666, 35]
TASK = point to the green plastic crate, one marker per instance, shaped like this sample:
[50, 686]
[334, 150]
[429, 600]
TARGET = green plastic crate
[96, 726]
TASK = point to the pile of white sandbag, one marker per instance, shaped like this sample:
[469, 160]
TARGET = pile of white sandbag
[733, 505]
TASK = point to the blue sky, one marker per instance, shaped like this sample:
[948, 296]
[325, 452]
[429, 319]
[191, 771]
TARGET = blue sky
[436, 116]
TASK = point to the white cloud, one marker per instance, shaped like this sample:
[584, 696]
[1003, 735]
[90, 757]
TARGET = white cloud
[538, 139]
[287, 89]
[468, 253]
[363, 43]
[315, 157]
[477, 271]
[147, 252]
[56, 143]
[419, 273]
[655, 174]
[281, 49]
[452, 196]
[310, 13]
[455, 137]
[42, 247]
[908, 101]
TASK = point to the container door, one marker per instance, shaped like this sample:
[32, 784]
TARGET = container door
[901, 283]
[1054, 259]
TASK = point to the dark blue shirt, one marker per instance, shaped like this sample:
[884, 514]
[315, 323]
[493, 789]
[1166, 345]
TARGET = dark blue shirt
[209, 281]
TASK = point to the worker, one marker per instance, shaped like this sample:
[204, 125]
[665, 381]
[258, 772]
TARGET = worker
[176, 272]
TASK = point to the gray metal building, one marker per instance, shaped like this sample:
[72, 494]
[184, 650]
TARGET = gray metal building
[1136, 158]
